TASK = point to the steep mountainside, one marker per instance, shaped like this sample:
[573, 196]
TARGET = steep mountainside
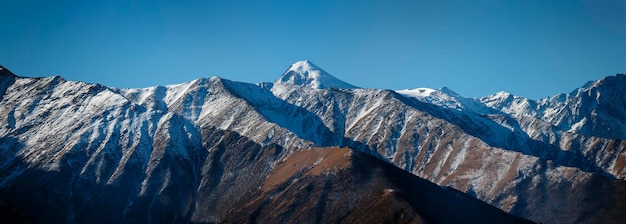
[208, 145]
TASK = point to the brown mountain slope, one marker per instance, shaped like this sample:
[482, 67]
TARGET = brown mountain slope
[339, 185]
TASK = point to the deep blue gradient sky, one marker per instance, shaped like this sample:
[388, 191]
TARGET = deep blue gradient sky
[530, 48]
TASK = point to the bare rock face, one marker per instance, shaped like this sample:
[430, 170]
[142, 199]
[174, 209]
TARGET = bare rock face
[214, 150]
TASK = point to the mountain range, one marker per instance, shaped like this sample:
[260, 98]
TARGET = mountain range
[308, 148]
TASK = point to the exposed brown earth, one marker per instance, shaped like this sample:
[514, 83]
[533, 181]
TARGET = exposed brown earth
[309, 162]
[339, 185]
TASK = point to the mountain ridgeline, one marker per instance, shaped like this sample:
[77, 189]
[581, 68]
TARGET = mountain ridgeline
[308, 148]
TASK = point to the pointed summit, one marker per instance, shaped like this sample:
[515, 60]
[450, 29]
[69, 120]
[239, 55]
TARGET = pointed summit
[305, 73]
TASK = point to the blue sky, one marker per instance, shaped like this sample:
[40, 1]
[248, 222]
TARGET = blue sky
[530, 48]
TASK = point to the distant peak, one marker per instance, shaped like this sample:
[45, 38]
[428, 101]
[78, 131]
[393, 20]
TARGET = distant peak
[449, 91]
[305, 73]
[503, 93]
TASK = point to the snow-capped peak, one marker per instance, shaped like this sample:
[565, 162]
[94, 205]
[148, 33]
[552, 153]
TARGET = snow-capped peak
[502, 95]
[305, 73]
[448, 91]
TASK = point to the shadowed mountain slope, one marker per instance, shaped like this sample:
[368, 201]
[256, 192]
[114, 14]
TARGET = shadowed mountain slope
[339, 185]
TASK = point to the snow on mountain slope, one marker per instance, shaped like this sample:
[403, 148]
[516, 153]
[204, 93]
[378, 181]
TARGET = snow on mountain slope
[487, 148]
[305, 73]
[248, 109]
[432, 96]
[411, 135]
[447, 98]
[84, 149]
[596, 109]
[75, 151]
[78, 152]
[73, 116]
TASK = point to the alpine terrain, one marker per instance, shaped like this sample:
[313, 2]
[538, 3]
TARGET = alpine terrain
[308, 148]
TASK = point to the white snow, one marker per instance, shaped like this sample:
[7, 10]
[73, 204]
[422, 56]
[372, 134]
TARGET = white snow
[578, 125]
[417, 93]
[433, 96]
[305, 73]
[175, 92]
[364, 115]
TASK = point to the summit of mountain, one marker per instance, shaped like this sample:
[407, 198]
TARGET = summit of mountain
[305, 73]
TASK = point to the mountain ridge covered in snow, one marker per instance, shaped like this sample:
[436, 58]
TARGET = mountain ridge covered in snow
[519, 155]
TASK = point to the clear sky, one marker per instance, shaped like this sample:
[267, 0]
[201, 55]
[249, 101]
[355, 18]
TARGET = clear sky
[530, 48]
